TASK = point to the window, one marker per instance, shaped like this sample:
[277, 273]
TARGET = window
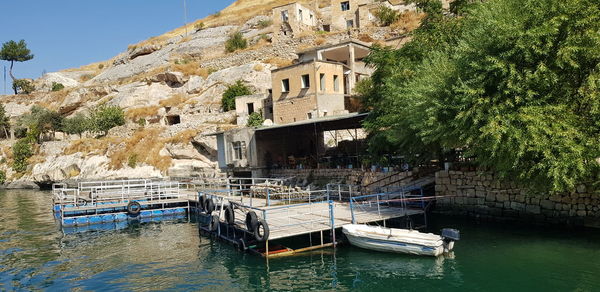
[325, 113]
[239, 148]
[349, 23]
[305, 81]
[345, 5]
[309, 115]
[250, 107]
[285, 85]
[322, 81]
[284, 16]
[336, 83]
[311, 18]
[270, 109]
[300, 15]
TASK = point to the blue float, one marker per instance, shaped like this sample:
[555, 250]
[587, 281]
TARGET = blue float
[157, 213]
[95, 219]
[68, 222]
[79, 221]
[120, 217]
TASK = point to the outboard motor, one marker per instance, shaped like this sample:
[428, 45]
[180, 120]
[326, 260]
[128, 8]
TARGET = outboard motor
[450, 235]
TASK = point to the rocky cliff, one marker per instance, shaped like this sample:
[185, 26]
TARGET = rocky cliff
[170, 88]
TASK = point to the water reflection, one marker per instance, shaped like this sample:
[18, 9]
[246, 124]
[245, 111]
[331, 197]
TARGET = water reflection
[36, 254]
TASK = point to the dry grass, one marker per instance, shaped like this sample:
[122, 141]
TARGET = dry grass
[365, 38]
[279, 62]
[408, 21]
[183, 137]
[146, 145]
[191, 68]
[320, 41]
[258, 67]
[135, 114]
[175, 100]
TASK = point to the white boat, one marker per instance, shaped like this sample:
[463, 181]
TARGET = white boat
[400, 240]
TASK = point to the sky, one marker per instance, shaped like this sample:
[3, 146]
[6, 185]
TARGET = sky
[71, 33]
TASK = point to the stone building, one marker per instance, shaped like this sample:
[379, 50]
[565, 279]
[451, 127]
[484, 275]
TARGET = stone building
[248, 104]
[318, 85]
[291, 19]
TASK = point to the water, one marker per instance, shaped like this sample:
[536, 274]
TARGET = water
[36, 255]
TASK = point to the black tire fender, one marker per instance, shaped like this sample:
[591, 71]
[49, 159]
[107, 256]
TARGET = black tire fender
[261, 235]
[229, 215]
[201, 201]
[209, 206]
[213, 224]
[134, 208]
[251, 221]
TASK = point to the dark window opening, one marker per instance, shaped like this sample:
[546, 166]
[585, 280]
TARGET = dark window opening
[173, 120]
[345, 5]
[238, 149]
[285, 85]
[250, 108]
[270, 109]
[326, 27]
[305, 81]
[349, 23]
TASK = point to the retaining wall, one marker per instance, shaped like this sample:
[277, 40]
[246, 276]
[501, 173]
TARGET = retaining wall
[482, 195]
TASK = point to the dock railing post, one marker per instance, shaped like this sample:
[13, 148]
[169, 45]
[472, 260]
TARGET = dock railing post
[332, 219]
[352, 211]
[268, 197]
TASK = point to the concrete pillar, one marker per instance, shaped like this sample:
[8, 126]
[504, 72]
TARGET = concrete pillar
[351, 64]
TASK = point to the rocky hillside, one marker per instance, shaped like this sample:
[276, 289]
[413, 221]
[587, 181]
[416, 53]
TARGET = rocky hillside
[170, 88]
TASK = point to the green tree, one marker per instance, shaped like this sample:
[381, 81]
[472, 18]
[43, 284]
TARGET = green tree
[22, 151]
[106, 117]
[236, 42]
[23, 86]
[517, 88]
[41, 121]
[76, 125]
[4, 121]
[255, 119]
[386, 15]
[58, 86]
[15, 52]
[234, 90]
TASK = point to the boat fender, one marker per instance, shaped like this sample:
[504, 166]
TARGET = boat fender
[134, 208]
[229, 215]
[209, 206]
[213, 225]
[261, 231]
[201, 202]
[251, 221]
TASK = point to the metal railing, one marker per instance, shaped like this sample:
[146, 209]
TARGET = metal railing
[117, 191]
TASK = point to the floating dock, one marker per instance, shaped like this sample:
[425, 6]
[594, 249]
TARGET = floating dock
[253, 214]
[105, 202]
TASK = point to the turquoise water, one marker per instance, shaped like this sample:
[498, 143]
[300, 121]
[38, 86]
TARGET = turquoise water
[36, 255]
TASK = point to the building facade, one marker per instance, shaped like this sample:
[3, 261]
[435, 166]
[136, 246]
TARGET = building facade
[291, 19]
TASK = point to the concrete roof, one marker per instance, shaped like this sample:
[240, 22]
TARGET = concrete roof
[324, 47]
[320, 120]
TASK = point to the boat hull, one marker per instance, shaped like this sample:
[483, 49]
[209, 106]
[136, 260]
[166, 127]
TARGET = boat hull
[387, 240]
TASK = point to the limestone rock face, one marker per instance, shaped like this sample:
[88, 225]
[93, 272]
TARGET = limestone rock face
[45, 82]
[140, 94]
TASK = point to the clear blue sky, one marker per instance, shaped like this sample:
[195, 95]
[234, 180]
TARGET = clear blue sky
[71, 33]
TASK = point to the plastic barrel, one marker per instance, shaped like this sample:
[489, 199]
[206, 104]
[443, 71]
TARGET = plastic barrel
[120, 217]
[157, 213]
[82, 221]
[146, 214]
[108, 218]
[69, 222]
[95, 219]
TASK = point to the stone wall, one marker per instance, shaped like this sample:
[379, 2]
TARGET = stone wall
[483, 196]
[344, 176]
